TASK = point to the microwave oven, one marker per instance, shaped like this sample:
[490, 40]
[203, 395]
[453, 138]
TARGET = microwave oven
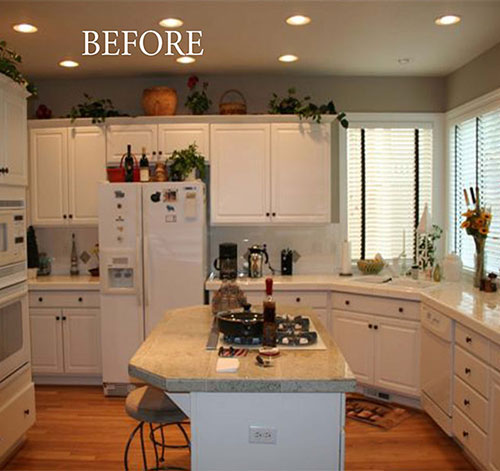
[12, 232]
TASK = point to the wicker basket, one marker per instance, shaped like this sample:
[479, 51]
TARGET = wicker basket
[159, 101]
[370, 266]
[233, 107]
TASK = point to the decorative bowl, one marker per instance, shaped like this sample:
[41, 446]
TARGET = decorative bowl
[370, 266]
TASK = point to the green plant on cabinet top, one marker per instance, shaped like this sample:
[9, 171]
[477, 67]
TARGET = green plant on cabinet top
[183, 161]
[9, 61]
[98, 110]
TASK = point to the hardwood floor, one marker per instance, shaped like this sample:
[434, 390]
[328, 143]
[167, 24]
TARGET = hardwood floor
[79, 429]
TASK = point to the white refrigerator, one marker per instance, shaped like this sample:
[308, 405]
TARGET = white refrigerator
[153, 245]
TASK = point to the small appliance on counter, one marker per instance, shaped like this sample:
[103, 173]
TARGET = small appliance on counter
[227, 263]
[287, 262]
[257, 257]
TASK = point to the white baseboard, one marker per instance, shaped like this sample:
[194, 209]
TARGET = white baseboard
[389, 396]
[67, 380]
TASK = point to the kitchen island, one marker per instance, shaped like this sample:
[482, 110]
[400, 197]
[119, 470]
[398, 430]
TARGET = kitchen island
[300, 399]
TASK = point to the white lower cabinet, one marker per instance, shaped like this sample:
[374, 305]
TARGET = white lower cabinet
[64, 340]
[494, 415]
[381, 351]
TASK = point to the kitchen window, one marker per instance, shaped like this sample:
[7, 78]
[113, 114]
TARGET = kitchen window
[474, 156]
[389, 181]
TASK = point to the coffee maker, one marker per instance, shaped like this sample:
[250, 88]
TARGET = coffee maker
[227, 263]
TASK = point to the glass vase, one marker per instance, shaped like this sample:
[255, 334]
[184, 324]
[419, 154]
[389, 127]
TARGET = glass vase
[479, 273]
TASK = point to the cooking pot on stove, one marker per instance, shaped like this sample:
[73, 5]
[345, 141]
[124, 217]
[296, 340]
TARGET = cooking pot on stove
[240, 323]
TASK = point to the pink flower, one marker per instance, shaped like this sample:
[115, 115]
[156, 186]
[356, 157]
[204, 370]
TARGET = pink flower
[192, 81]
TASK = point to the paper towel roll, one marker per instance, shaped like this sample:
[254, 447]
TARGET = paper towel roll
[346, 263]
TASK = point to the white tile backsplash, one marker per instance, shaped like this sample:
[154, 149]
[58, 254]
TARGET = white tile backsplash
[318, 246]
[56, 242]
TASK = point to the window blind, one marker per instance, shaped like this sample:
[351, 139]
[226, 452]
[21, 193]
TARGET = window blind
[389, 182]
[475, 161]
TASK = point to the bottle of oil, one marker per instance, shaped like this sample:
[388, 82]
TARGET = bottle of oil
[269, 329]
[74, 271]
[144, 167]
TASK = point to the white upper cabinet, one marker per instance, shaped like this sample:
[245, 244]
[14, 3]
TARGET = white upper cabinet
[49, 175]
[179, 136]
[13, 134]
[240, 173]
[66, 165]
[86, 167]
[300, 169]
[270, 173]
[155, 138]
[119, 136]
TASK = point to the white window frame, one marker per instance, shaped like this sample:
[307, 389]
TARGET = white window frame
[469, 110]
[434, 121]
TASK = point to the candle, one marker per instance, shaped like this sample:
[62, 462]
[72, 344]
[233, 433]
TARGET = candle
[404, 242]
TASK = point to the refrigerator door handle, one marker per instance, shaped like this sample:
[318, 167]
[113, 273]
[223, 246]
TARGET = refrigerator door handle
[146, 268]
[138, 270]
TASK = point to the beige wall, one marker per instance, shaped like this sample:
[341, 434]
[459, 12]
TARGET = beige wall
[476, 78]
[349, 93]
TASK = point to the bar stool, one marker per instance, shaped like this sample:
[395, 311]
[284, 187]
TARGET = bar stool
[151, 406]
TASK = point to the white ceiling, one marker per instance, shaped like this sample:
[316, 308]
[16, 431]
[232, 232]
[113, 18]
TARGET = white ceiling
[345, 37]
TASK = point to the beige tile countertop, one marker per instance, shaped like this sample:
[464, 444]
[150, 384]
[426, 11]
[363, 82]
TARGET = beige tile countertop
[174, 358]
[473, 308]
[64, 282]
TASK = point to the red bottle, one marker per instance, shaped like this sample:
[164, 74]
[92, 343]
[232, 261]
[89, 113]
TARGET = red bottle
[269, 329]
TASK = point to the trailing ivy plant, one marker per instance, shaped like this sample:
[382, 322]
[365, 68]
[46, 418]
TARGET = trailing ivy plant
[98, 110]
[183, 161]
[430, 245]
[9, 61]
[304, 108]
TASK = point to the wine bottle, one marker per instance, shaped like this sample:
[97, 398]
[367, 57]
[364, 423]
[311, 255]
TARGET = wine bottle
[74, 257]
[269, 328]
[144, 166]
[129, 165]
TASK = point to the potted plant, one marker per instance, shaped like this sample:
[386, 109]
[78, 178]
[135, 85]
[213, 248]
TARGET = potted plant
[304, 108]
[98, 110]
[197, 101]
[184, 163]
[9, 60]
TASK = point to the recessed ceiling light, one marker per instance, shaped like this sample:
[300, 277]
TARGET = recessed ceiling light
[68, 63]
[288, 58]
[447, 20]
[25, 28]
[185, 60]
[298, 20]
[404, 60]
[171, 22]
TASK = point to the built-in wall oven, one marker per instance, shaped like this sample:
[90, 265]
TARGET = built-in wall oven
[12, 231]
[14, 330]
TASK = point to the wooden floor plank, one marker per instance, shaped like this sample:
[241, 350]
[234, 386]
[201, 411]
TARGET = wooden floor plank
[78, 429]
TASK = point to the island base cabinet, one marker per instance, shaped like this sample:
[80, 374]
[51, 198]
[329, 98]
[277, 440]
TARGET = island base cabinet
[308, 427]
[494, 433]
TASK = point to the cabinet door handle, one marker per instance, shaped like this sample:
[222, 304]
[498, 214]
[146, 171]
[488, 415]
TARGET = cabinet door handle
[466, 402]
[7, 170]
[375, 327]
[26, 412]
[71, 216]
[64, 216]
[401, 309]
[274, 214]
[268, 214]
[63, 318]
[370, 326]
[40, 299]
[465, 434]
[297, 300]
[58, 318]
[80, 299]
[467, 371]
[468, 339]
[347, 302]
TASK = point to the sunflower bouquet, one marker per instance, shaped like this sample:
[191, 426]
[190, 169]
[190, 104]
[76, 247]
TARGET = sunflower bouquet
[477, 224]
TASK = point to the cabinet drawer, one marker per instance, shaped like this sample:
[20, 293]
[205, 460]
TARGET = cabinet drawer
[16, 416]
[495, 356]
[64, 299]
[469, 435]
[400, 308]
[471, 370]
[291, 298]
[472, 404]
[472, 342]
